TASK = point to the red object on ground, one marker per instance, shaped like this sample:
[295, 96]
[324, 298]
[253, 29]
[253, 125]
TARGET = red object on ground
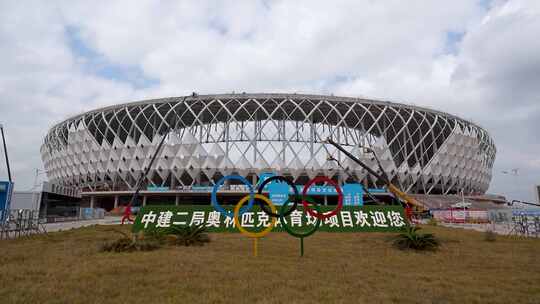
[409, 213]
[127, 214]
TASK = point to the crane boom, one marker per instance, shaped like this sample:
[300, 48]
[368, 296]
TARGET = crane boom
[391, 187]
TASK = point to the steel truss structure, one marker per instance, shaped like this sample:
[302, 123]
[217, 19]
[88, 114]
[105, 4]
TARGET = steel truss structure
[208, 136]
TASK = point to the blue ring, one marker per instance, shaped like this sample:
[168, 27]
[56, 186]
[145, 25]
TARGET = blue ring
[244, 209]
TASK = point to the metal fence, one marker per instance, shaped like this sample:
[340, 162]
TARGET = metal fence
[91, 213]
[460, 215]
[77, 215]
[518, 222]
[20, 222]
[521, 222]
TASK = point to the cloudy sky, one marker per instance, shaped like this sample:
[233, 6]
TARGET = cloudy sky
[479, 60]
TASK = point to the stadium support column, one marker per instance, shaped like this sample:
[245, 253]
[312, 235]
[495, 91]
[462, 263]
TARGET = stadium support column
[92, 201]
[144, 200]
[177, 200]
[116, 201]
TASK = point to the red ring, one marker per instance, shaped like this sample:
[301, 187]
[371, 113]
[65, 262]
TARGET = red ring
[322, 216]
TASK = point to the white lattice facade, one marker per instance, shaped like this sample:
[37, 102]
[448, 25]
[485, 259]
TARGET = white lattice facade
[208, 136]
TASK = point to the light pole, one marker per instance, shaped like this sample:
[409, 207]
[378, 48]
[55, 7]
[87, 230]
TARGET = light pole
[38, 173]
[5, 152]
[514, 173]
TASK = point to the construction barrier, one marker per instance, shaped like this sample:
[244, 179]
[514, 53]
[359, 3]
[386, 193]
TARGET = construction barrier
[91, 213]
[458, 215]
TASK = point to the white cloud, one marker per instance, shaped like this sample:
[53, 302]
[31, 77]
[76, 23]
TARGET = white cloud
[395, 49]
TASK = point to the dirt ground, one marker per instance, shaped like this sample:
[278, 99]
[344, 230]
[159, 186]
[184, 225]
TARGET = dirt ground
[66, 267]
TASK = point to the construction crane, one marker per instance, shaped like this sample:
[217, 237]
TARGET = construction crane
[382, 177]
[138, 186]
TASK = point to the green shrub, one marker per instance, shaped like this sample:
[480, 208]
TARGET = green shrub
[159, 236]
[188, 235]
[411, 239]
[490, 236]
[130, 243]
[154, 239]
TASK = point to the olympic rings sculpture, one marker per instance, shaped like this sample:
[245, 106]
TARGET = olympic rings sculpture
[268, 207]
[242, 229]
[218, 207]
[296, 196]
[317, 214]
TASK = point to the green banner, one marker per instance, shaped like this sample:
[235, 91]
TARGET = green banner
[349, 219]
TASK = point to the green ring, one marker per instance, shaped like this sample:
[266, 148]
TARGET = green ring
[296, 234]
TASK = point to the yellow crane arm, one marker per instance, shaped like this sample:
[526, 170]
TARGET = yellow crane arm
[405, 197]
[391, 187]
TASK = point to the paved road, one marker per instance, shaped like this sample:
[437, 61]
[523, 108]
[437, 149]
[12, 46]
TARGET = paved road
[108, 220]
[503, 229]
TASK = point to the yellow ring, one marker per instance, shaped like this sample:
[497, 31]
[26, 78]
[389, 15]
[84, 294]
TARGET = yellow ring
[254, 234]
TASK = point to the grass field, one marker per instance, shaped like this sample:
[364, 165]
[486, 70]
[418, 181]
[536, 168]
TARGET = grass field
[66, 267]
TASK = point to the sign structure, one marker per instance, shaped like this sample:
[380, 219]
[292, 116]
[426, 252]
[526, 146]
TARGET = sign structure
[6, 189]
[157, 188]
[349, 219]
[353, 194]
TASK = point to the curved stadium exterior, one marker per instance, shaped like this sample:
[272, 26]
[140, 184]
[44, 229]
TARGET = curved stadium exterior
[208, 136]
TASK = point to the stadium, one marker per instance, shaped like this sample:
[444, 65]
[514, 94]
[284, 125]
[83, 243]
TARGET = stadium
[104, 152]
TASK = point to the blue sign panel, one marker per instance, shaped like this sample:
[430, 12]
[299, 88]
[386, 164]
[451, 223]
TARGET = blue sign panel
[264, 176]
[353, 195]
[5, 198]
[157, 188]
[278, 192]
[318, 190]
[375, 190]
[526, 212]
[202, 188]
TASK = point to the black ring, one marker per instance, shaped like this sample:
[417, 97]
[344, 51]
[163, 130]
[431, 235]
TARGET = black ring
[297, 198]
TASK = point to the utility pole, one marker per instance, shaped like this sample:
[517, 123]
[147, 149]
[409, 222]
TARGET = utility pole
[6, 154]
[515, 174]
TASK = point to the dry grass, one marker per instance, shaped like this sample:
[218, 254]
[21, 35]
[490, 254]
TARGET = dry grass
[66, 267]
